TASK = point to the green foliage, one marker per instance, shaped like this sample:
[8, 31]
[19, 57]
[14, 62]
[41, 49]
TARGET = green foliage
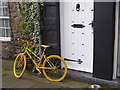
[23, 47]
[31, 47]
[27, 12]
[28, 15]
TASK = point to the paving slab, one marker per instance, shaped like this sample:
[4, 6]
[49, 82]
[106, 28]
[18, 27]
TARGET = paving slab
[31, 80]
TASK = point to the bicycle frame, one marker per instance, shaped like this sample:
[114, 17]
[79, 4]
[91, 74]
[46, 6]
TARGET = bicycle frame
[51, 66]
[27, 50]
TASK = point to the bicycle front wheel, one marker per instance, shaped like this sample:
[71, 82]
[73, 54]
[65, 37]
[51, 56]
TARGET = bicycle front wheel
[19, 65]
[55, 68]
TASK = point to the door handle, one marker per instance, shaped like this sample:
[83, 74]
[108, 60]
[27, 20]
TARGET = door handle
[78, 26]
[92, 24]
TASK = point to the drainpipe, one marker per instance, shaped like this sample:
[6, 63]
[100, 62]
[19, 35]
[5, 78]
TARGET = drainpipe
[38, 18]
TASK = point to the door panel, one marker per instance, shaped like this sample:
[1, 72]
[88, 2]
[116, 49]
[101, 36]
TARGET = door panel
[51, 29]
[104, 27]
[78, 35]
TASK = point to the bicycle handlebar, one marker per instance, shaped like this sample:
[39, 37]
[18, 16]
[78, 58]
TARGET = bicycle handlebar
[24, 41]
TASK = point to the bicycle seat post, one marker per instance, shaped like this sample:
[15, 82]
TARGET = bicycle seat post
[45, 46]
[44, 50]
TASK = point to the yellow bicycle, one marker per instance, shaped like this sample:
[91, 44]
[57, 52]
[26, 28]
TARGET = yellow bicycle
[54, 67]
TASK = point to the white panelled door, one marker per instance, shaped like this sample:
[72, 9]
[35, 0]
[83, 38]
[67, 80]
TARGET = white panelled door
[78, 35]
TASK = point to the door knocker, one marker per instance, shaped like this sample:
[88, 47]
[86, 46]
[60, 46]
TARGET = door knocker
[78, 7]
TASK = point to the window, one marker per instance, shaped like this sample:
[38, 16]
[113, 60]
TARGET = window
[4, 21]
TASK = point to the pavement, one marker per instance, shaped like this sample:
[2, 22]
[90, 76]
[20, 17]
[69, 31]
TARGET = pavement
[88, 78]
[31, 80]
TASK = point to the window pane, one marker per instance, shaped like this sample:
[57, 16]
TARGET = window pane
[7, 32]
[6, 23]
[0, 2]
[0, 32]
[5, 12]
[5, 3]
[0, 11]
[3, 32]
[1, 23]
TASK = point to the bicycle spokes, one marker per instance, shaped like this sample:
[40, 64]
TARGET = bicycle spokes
[19, 65]
[55, 72]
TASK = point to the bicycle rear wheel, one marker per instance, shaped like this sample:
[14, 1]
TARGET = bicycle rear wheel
[19, 65]
[57, 73]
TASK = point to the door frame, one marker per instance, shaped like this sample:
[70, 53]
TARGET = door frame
[116, 41]
[61, 6]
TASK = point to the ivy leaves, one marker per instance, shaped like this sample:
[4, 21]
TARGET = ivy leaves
[27, 12]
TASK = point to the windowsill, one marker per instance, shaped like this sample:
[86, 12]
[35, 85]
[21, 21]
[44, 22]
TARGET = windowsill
[4, 17]
[5, 38]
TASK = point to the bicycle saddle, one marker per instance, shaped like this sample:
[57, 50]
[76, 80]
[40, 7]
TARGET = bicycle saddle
[45, 46]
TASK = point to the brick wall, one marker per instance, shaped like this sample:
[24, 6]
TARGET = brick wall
[11, 48]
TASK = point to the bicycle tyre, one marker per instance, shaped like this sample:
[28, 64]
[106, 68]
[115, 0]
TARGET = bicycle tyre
[19, 61]
[51, 59]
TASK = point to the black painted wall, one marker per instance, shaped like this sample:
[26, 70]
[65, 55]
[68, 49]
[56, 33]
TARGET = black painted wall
[104, 28]
[51, 32]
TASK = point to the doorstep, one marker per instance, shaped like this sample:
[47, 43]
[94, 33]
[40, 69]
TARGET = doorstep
[87, 77]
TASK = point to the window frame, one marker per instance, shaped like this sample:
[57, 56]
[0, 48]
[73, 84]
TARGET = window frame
[5, 38]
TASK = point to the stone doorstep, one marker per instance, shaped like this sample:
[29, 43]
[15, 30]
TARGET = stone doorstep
[86, 77]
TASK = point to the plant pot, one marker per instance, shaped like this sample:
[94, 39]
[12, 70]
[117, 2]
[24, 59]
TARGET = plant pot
[30, 64]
